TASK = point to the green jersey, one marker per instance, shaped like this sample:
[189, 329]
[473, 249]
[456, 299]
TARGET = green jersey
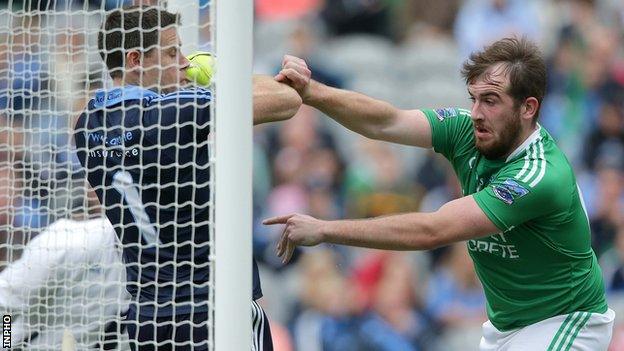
[541, 264]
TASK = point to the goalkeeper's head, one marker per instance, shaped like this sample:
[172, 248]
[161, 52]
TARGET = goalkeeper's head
[141, 46]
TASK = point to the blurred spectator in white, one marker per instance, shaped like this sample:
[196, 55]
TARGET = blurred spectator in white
[70, 276]
[481, 22]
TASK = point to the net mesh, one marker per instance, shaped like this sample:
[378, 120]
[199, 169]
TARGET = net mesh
[61, 261]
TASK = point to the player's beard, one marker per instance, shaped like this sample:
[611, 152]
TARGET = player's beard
[503, 140]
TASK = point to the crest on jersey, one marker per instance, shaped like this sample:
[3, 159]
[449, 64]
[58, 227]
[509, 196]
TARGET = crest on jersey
[444, 113]
[509, 191]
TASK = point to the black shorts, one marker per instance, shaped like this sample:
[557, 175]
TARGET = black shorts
[188, 334]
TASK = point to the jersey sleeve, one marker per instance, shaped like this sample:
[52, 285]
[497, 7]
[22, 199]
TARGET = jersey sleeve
[187, 109]
[512, 198]
[451, 130]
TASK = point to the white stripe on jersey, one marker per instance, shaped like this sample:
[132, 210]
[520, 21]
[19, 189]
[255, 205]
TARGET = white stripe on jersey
[527, 157]
[542, 169]
[526, 163]
[580, 193]
[183, 97]
[185, 94]
[538, 147]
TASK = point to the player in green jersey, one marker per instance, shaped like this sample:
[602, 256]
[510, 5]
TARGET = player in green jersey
[522, 213]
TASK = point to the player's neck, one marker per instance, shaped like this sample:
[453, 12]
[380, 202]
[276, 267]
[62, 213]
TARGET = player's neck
[118, 82]
[521, 140]
[122, 82]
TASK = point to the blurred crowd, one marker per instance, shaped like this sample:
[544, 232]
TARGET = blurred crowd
[407, 52]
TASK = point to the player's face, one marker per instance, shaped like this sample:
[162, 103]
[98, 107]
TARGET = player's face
[495, 116]
[165, 66]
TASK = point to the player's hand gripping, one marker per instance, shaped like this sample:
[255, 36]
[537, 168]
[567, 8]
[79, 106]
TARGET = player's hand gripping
[295, 72]
[300, 230]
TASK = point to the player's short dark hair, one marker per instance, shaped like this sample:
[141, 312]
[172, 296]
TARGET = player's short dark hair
[524, 64]
[131, 28]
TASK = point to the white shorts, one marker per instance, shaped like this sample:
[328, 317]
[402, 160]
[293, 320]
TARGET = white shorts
[578, 331]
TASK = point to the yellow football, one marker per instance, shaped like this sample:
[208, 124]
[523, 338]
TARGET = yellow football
[202, 68]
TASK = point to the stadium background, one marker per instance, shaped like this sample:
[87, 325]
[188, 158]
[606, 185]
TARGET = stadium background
[407, 52]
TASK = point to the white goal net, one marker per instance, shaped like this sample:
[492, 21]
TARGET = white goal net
[143, 160]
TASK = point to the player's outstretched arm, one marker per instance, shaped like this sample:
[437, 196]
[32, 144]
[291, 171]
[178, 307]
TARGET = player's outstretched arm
[272, 100]
[457, 220]
[362, 114]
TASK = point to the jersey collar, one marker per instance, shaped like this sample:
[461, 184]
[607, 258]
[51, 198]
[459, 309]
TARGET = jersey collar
[105, 98]
[525, 144]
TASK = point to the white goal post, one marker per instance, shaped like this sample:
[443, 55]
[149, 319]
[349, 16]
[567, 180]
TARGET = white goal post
[233, 143]
[233, 219]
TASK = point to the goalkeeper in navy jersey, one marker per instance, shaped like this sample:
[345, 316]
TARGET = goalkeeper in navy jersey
[144, 145]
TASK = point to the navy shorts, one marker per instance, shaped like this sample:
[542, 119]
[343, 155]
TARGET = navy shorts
[188, 334]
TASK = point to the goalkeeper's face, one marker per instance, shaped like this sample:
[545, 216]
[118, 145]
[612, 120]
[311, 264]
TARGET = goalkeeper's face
[164, 67]
[495, 115]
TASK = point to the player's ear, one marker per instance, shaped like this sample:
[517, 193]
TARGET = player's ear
[529, 108]
[133, 59]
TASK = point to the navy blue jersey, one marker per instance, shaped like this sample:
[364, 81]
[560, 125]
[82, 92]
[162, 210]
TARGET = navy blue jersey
[147, 157]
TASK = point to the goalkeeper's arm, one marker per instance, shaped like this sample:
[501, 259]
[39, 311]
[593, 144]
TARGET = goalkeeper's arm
[273, 101]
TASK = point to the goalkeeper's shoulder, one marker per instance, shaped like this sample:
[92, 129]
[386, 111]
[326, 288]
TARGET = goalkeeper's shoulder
[195, 94]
